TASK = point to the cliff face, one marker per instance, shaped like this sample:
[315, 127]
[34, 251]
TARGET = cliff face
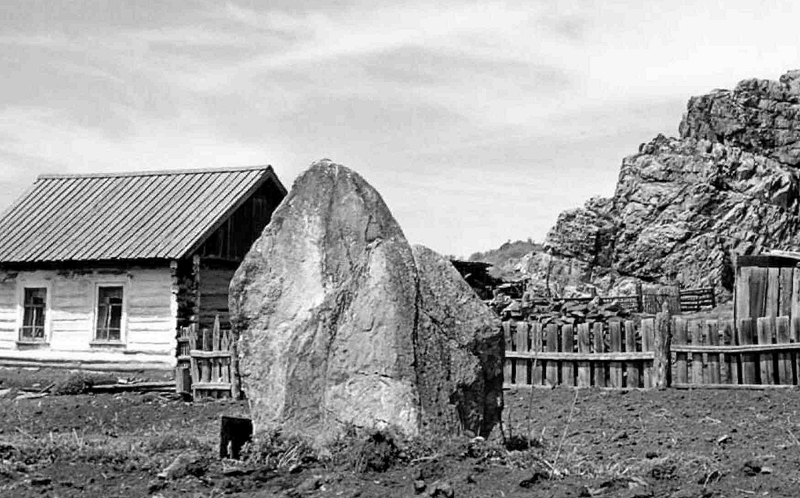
[682, 206]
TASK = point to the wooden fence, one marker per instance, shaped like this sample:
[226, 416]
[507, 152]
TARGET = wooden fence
[654, 352]
[209, 355]
[616, 354]
[651, 299]
[757, 352]
[698, 299]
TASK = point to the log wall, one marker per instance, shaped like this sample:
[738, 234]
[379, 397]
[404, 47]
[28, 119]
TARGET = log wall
[214, 284]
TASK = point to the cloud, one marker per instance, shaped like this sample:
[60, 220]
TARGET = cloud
[466, 110]
[51, 137]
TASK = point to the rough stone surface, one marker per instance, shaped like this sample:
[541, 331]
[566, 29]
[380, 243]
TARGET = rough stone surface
[683, 206]
[332, 322]
[459, 351]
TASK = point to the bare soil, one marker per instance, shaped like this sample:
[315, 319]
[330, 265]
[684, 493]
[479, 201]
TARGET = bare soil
[559, 442]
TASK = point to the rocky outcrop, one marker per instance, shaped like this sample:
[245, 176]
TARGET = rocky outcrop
[684, 206]
[343, 325]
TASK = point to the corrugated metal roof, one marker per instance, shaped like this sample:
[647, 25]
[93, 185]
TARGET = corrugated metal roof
[145, 215]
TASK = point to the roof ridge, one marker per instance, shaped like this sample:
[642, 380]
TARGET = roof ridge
[121, 174]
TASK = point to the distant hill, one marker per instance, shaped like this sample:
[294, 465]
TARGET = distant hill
[505, 259]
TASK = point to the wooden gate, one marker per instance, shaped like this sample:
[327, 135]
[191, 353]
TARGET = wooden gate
[210, 357]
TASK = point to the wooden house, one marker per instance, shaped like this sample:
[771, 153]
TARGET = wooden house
[100, 271]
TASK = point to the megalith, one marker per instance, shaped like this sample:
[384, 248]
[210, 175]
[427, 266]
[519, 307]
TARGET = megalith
[329, 307]
[459, 351]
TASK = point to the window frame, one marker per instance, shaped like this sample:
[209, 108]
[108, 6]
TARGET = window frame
[22, 285]
[123, 332]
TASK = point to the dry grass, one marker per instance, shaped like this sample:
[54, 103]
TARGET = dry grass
[680, 466]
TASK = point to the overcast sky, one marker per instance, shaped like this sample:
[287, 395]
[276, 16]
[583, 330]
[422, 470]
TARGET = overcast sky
[478, 122]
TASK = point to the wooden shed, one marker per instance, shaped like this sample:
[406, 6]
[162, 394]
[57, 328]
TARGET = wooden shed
[102, 270]
[767, 285]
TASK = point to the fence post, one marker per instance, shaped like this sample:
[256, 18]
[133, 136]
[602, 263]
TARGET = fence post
[236, 380]
[714, 294]
[639, 300]
[661, 349]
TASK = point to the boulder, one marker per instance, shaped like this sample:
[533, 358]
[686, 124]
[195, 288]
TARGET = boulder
[329, 315]
[459, 351]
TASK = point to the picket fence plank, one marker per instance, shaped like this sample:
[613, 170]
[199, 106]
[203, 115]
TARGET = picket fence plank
[598, 367]
[615, 368]
[584, 367]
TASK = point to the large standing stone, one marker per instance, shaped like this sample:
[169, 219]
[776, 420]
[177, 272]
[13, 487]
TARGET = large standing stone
[334, 331]
[459, 351]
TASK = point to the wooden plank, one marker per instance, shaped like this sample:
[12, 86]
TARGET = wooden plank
[508, 363]
[662, 356]
[773, 292]
[679, 339]
[752, 348]
[206, 355]
[599, 348]
[732, 386]
[766, 330]
[183, 380]
[536, 347]
[648, 329]
[567, 346]
[745, 334]
[615, 346]
[552, 347]
[794, 337]
[212, 386]
[632, 368]
[711, 335]
[590, 356]
[584, 367]
[795, 300]
[785, 375]
[698, 365]
[216, 363]
[759, 281]
[730, 368]
[523, 346]
[742, 293]
[235, 379]
[785, 304]
[764, 261]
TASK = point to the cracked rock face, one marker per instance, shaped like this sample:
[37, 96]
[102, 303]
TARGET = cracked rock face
[339, 325]
[683, 206]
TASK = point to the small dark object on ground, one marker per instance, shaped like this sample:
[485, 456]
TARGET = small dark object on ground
[441, 489]
[520, 443]
[75, 383]
[377, 453]
[234, 432]
[537, 477]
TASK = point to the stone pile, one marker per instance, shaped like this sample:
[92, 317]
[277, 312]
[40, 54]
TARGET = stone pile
[562, 312]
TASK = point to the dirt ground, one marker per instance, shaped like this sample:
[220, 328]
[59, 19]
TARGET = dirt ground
[582, 444]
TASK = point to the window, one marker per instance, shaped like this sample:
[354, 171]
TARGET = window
[109, 314]
[34, 306]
